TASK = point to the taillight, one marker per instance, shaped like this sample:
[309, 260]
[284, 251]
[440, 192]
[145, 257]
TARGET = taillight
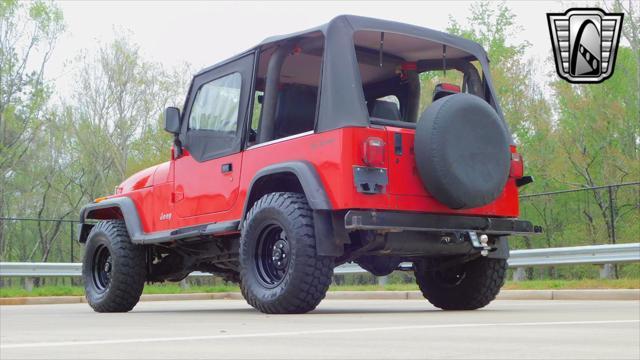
[373, 152]
[517, 164]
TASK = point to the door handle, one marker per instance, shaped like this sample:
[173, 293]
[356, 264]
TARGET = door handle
[227, 168]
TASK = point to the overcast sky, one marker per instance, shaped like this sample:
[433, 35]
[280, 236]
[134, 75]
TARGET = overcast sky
[205, 32]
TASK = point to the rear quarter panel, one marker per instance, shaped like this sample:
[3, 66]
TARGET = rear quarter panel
[334, 153]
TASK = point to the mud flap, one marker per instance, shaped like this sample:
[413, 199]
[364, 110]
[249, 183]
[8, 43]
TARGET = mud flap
[330, 239]
[501, 247]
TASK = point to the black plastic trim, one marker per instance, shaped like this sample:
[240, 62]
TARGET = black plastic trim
[134, 226]
[370, 180]
[524, 181]
[501, 247]
[395, 123]
[397, 144]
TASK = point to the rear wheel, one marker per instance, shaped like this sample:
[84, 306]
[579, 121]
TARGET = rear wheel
[466, 286]
[113, 269]
[280, 271]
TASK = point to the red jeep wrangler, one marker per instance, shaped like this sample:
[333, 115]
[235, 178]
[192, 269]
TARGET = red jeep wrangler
[316, 149]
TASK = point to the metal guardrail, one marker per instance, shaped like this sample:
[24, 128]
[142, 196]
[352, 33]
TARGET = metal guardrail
[595, 254]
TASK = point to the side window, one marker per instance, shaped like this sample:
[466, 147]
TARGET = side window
[216, 105]
[257, 108]
[287, 107]
[387, 108]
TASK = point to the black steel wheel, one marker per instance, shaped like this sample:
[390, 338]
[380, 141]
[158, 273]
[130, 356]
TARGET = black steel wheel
[101, 269]
[273, 254]
[113, 269]
[280, 270]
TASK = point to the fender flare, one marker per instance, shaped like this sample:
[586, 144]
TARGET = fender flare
[125, 206]
[307, 176]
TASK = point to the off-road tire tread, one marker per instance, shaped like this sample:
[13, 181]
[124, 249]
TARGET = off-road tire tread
[313, 273]
[485, 277]
[129, 271]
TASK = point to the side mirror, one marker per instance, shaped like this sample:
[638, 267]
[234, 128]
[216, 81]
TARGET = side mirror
[172, 120]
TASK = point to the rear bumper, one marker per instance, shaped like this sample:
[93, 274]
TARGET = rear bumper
[405, 221]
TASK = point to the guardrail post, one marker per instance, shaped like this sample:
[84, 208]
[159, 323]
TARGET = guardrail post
[71, 242]
[612, 219]
[520, 274]
[184, 284]
[607, 271]
[28, 283]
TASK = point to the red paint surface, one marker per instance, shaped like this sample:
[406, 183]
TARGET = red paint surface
[196, 193]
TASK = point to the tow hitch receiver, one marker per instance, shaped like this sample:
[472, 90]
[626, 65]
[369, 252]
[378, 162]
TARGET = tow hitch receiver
[480, 242]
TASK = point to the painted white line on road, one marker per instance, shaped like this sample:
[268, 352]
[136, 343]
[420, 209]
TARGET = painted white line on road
[304, 332]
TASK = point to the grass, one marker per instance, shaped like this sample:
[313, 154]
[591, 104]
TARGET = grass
[625, 283]
[170, 288]
[41, 291]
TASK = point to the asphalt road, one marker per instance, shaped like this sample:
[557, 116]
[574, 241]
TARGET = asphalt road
[363, 329]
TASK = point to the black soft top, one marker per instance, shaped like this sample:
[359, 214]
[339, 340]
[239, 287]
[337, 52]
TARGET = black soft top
[342, 101]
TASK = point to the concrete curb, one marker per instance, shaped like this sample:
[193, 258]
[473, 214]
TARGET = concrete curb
[597, 294]
[588, 294]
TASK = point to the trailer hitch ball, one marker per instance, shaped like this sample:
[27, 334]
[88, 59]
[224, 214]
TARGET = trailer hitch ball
[484, 241]
[480, 242]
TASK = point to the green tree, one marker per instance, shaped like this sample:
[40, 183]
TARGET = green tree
[599, 128]
[493, 26]
[114, 114]
[28, 33]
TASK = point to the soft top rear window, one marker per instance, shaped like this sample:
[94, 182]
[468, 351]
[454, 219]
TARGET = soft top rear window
[414, 72]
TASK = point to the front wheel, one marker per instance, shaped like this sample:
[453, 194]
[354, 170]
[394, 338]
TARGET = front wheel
[280, 270]
[466, 286]
[113, 269]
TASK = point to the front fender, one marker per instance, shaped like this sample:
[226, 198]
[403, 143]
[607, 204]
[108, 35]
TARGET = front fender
[114, 208]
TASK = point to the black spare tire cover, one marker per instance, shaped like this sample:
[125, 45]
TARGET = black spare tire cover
[462, 151]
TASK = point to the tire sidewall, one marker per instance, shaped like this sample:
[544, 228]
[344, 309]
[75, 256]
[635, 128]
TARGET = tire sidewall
[249, 273]
[483, 278]
[96, 239]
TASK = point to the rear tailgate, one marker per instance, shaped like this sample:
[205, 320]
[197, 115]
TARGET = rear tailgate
[408, 191]
[403, 173]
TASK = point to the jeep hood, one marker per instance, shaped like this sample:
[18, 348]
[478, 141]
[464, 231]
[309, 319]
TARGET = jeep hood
[139, 180]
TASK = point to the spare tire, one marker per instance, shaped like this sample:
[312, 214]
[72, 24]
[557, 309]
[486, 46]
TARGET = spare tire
[462, 151]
